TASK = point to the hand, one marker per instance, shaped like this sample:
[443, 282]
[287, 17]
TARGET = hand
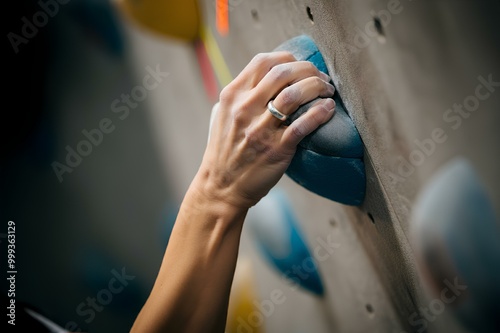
[249, 149]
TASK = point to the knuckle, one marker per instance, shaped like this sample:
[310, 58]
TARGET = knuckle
[252, 136]
[312, 67]
[314, 84]
[306, 126]
[227, 94]
[320, 84]
[257, 139]
[286, 56]
[289, 95]
[250, 101]
[244, 106]
[267, 135]
[260, 59]
[323, 87]
[238, 117]
[240, 114]
[298, 131]
[280, 72]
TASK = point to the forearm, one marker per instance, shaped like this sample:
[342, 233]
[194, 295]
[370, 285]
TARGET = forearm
[191, 292]
[247, 153]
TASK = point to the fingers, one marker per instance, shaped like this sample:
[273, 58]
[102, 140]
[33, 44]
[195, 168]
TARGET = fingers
[283, 75]
[290, 83]
[318, 114]
[260, 65]
[290, 98]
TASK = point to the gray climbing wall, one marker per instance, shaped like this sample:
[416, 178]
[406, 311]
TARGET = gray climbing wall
[402, 68]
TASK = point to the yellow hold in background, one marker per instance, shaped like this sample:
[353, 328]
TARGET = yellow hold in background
[171, 18]
[243, 315]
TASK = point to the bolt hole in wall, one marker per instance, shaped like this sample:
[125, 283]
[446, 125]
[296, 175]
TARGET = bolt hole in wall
[371, 218]
[309, 14]
[369, 308]
[380, 29]
[255, 15]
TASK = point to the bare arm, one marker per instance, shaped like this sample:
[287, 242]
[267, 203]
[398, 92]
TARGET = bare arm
[248, 152]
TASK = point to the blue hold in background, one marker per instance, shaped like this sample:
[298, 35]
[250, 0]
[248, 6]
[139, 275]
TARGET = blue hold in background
[457, 237]
[278, 238]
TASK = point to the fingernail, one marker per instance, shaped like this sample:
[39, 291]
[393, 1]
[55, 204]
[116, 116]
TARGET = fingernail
[325, 77]
[329, 104]
[331, 89]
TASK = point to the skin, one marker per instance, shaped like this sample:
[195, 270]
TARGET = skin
[247, 153]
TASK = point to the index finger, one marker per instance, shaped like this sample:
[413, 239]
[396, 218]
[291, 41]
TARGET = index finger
[260, 65]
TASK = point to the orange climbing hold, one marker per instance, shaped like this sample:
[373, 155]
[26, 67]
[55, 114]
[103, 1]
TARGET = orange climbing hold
[222, 17]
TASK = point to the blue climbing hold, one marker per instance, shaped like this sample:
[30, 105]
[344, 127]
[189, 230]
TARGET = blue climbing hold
[457, 237]
[328, 162]
[279, 239]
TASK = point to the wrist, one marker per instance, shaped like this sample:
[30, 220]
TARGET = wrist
[220, 190]
[206, 198]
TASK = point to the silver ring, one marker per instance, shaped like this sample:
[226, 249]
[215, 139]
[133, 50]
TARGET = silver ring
[275, 111]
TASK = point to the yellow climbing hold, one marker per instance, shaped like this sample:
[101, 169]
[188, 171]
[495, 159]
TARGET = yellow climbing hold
[171, 18]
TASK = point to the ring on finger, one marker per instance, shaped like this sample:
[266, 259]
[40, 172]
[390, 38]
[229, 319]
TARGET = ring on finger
[275, 112]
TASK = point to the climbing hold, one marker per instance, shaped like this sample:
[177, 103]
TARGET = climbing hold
[279, 239]
[329, 161]
[244, 312]
[177, 19]
[457, 239]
